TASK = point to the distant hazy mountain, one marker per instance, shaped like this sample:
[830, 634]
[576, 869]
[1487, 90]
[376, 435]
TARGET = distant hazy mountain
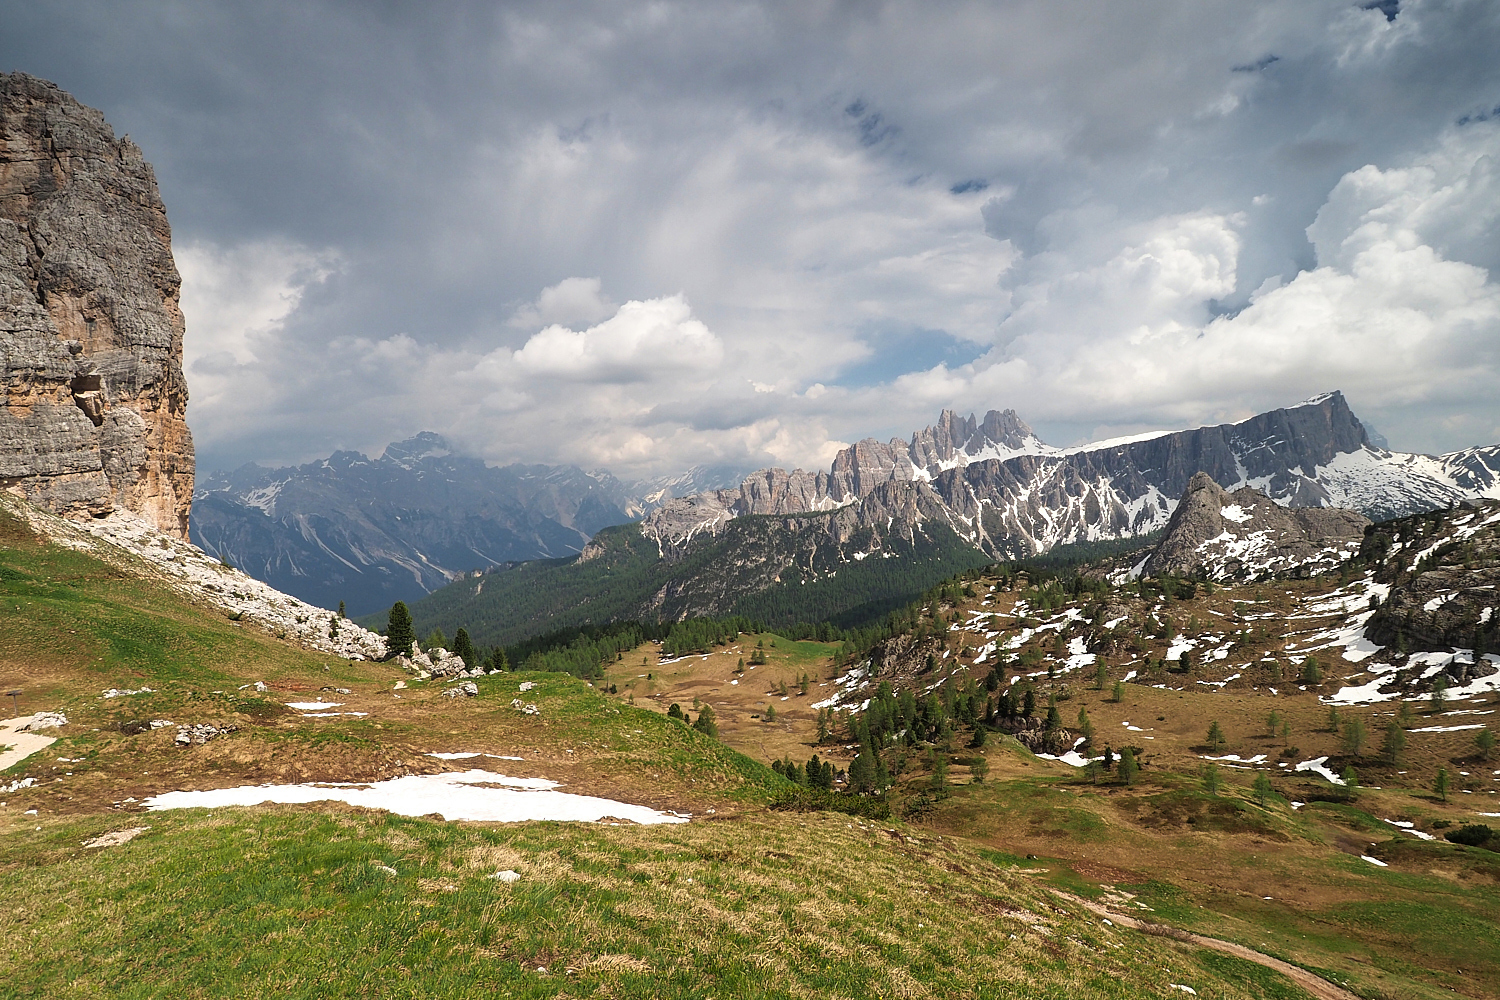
[800, 545]
[370, 532]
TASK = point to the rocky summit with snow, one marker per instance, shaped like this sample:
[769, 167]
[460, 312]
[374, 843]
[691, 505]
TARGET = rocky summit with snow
[890, 519]
[1245, 535]
[1006, 492]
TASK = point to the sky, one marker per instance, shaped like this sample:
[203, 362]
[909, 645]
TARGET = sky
[647, 236]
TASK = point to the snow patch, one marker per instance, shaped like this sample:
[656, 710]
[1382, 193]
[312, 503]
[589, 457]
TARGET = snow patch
[475, 795]
[1234, 512]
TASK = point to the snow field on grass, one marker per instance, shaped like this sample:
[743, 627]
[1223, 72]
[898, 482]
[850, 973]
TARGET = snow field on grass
[475, 795]
[847, 684]
[1317, 766]
[1432, 664]
[18, 745]
[1410, 828]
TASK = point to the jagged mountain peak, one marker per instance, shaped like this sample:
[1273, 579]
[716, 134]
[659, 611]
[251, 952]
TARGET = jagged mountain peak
[1011, 494]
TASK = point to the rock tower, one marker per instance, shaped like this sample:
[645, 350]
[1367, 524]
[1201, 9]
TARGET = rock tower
[93, 403]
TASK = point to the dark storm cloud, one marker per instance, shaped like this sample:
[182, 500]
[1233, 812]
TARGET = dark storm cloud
[649, 235]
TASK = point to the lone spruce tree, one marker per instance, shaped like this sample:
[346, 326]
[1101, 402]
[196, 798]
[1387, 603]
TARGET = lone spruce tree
[399, 634]
[464, 647]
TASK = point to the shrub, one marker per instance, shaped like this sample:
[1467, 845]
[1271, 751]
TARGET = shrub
[1476, 835]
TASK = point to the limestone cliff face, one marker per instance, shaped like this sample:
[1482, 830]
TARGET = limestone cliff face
[93, 403]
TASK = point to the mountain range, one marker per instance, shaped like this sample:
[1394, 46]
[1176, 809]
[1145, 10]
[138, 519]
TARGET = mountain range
[891, 518]
[369, 532]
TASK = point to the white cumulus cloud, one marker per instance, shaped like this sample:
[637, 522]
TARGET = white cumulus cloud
[641, 339]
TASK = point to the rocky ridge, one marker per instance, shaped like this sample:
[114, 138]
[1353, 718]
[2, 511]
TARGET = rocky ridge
[997, 485]
[92, 396]
[1245, 535]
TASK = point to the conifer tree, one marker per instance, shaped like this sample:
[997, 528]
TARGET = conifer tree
[1484, 742]
[1128, 766]
[1439, 693]
[399, 633]
[1440, 784]
[1394, 742]
[940, 773]
[1354, 736]
[464, 647]
[1210, 775]
[1216, 735]
[341, 610]
[862, 774]
[1262, 787]
[1119, 692]
[705, 723]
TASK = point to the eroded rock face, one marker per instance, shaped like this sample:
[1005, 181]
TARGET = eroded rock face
[93, 403]
[1246, 536]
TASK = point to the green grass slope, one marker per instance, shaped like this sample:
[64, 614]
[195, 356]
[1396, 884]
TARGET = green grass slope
[304, 902]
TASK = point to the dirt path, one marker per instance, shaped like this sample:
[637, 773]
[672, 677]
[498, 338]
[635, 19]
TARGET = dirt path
[1316, 985]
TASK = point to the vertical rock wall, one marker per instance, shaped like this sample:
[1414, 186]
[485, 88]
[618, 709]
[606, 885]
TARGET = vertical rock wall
[93, 403]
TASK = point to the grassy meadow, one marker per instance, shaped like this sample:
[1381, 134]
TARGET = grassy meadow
[956, 895]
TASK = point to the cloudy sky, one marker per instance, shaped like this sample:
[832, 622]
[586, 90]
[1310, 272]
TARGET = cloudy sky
[650, 235]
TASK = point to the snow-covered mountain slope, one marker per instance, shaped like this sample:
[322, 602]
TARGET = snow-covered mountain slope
[1007, 492]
